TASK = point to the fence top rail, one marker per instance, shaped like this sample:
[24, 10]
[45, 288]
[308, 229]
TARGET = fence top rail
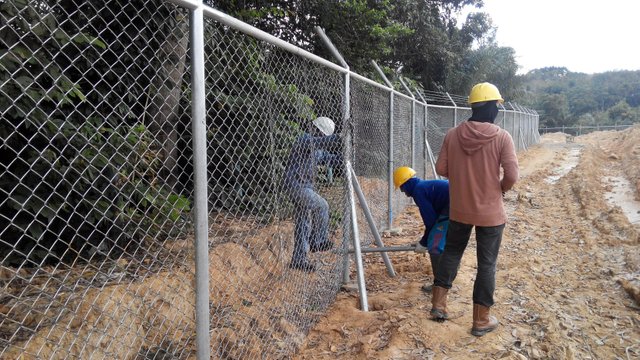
[264, 36]
[261, 35]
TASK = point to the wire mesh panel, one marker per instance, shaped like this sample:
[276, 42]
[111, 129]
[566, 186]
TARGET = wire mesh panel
[464, 114]
[418, 141]
[517, 135]
[509, 121]
[402, 147]
[439, 121]
[96, 230]
[370, 119]
[500, 119]
[277, 194]
[94, 201]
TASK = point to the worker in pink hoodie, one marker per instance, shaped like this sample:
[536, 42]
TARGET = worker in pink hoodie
[471, 157]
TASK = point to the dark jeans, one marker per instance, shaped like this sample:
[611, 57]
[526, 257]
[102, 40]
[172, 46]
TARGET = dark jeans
[312, 222]
[435, 260]
[488, 241]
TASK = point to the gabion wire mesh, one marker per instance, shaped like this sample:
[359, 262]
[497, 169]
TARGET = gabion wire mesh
[96, 229]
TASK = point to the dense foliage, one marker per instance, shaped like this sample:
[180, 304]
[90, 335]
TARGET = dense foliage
[81, 161]
[420, 38]
[95, 105]
[566, 98]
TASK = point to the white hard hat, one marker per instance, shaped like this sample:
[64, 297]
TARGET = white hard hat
[325, 125]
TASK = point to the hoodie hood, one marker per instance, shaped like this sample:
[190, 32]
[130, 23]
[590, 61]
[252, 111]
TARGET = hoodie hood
[474, 135]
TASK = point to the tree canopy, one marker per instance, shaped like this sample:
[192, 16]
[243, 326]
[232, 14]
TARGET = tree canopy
[567, 98]
[421, 37]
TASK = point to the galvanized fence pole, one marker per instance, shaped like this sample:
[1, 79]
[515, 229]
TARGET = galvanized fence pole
[455, 110]
[201, 221]
[372, 223]
[364, 304]
[390, 153]
[390, 178]
[165, 281]
[347, 138]
[348, 150]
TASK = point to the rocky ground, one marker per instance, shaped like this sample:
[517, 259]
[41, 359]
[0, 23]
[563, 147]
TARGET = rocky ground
[567, 279]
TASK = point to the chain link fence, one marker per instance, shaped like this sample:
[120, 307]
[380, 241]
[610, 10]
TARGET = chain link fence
[584, 129]
[97, 195]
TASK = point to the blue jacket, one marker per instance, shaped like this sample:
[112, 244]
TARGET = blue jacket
[306, 154]
[432, 198]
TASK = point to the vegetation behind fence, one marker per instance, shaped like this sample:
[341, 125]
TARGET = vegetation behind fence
[97, 192]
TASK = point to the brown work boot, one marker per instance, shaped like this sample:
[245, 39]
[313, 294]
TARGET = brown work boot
[483, 322]
[439, 304]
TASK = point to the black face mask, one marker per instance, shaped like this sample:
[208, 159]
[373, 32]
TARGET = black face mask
[485, 113]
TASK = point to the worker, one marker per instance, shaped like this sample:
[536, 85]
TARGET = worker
[318, 146]
[471, 156]
[432, 199]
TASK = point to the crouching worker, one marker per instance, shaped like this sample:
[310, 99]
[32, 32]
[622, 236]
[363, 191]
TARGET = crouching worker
[316, 147]
[432, 198]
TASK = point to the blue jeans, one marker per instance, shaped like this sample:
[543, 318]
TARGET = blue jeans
[488, 239]
[312, 221]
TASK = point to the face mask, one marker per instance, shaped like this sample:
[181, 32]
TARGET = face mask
[485, 113]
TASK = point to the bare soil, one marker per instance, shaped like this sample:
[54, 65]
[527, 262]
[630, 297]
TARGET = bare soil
[567, 281]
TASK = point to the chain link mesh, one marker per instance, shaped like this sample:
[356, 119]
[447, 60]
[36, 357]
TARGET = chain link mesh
[370, 120]
[96, 230]
[94, 206]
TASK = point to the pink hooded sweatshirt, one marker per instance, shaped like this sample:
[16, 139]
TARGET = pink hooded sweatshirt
[471, 157]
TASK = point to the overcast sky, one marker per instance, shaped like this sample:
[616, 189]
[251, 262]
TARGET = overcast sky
[582, 35]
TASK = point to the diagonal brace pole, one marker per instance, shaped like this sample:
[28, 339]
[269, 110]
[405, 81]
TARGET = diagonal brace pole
[372, 225]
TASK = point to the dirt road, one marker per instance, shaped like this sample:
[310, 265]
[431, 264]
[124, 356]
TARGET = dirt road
[568, 270]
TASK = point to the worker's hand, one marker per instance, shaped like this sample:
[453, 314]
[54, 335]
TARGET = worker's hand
[420, 249]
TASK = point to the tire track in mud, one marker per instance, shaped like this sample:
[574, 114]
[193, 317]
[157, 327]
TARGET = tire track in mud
[564, 257]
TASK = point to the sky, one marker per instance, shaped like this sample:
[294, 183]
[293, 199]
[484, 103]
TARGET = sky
[586, 36]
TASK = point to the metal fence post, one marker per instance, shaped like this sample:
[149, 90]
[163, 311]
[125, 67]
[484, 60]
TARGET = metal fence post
[455, 110]
[201, 212]
[364, 303]
[167, 279]
[390, 195]
[390, 154]
[347, 139]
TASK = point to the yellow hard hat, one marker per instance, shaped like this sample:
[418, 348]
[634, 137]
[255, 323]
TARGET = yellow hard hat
[484, 92]
[402, 174]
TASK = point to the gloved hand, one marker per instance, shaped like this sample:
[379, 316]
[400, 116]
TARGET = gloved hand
[420, 249]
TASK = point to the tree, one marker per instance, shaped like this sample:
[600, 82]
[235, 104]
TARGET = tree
[81, 166]
[555, 110]
[622, 113]
[433, 52]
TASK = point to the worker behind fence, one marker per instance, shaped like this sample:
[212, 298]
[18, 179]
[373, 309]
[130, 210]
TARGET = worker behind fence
[432, 199]
[471, 157]
[319, 146]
